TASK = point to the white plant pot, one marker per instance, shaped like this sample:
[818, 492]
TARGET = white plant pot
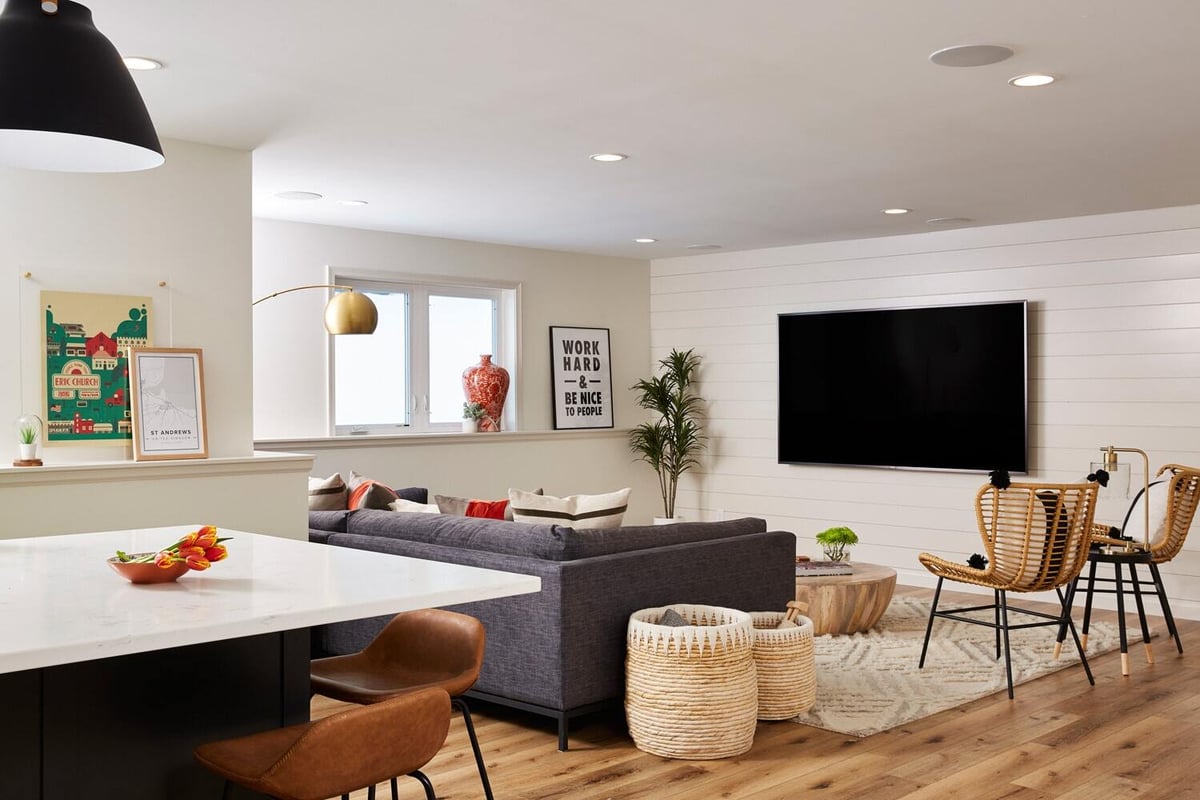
[470, 426]
[28, 451]
[667, 520]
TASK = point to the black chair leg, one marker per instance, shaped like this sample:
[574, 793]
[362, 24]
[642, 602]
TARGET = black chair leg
[1087, 604]
[371, 792]
[1141, 607]
[227, 792]
[395, 790]
[929, 626]
[1067, 602]
[483, 776]
[1166, 607]
[429, 795]
[1007, 655]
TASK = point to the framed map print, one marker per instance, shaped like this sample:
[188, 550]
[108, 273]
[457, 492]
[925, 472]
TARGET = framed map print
[167, 390]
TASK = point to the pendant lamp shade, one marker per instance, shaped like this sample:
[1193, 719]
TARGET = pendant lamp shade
[350, 313]
[67, 102]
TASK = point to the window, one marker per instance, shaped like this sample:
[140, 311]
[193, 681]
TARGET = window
[407, 376]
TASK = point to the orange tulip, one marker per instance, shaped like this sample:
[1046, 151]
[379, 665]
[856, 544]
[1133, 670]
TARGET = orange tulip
[188, 540]
[217, 552]
[206, 536]
[164, 560]
[198, 563]
[185, 552]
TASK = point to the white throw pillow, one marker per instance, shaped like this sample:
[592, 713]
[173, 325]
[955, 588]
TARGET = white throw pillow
[400, 504]
[577, 510]
[1135, 519]
[327, 494]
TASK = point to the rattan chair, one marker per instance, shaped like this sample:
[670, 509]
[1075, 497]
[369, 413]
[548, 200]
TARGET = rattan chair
[1036, 538]
[339, 754]
[1182, 492]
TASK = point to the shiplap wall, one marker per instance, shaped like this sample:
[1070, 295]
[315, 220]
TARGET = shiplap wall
[1114, 351]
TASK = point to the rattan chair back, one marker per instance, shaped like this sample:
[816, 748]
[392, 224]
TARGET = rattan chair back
[1183, 492]
[1036, 534]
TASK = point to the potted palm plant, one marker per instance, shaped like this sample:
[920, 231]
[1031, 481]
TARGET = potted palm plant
[672, 442]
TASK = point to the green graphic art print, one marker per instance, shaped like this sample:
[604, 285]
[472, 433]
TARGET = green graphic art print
[87, 338]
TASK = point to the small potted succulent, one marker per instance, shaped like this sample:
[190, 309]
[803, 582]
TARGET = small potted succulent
[472, 413]
[834, 542]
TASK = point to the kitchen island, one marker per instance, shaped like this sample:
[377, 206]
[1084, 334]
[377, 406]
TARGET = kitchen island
[109, 685]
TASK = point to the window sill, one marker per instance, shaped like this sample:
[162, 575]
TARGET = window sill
[418, 439]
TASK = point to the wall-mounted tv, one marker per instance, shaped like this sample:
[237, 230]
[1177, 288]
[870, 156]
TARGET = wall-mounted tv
[940, 387]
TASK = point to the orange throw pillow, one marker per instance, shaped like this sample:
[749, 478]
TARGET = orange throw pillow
[493, 509]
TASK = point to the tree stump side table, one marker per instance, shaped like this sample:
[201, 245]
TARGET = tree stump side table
[840, 604]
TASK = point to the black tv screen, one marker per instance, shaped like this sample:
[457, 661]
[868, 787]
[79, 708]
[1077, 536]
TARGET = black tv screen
[926, 388]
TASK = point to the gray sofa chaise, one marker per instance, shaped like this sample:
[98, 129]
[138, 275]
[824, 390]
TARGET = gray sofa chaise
[561, 652]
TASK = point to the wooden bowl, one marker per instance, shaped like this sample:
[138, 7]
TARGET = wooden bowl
[146, 572]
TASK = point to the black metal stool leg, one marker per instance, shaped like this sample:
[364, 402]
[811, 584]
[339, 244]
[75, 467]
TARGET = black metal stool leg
[429, 795]
[461, 704]
[1141, 607]
[1087, 605]
[1166, 607]
[1070, 624]
[1120, 591]
[929, 626]
[1068, 603]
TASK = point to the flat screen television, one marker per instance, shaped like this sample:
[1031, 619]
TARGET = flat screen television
[940, 387]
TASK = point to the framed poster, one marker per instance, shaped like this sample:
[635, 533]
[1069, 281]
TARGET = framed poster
[167, 390]
[580, 377]
[86, 367]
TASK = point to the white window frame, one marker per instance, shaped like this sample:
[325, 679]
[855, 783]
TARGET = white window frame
[505, 294]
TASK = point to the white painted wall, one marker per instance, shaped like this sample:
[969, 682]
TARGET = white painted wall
[186, 224]
[291, 352]
[1115, 358]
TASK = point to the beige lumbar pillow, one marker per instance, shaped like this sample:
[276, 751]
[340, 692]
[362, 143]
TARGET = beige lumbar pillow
[577, 510]
[400, 504]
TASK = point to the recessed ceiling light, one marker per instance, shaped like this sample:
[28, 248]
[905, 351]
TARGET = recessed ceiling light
[970, 55]
[704, 247]
[896, 210]
[141, 63]
[645, 240]
[352, 202]
[1034, 79]
[947, 220]
[298, 195]
[608, 157]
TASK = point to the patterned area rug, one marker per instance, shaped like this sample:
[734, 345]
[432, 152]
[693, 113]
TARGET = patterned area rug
[869, 682]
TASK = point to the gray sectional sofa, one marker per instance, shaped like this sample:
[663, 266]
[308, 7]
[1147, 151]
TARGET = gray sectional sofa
[561, 652]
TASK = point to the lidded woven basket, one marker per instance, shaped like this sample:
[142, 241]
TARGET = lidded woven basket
[691, 691]
[783, 657]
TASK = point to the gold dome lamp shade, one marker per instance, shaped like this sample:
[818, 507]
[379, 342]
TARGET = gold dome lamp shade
[347, 312]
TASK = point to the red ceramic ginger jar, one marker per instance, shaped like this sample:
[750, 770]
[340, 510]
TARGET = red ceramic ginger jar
[487, 384]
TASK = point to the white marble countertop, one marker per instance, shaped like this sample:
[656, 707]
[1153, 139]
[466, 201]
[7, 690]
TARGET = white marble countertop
[60, 602]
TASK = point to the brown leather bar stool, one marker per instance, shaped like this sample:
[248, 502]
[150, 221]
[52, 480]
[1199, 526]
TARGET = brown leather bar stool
[431, 647]
[339, 754]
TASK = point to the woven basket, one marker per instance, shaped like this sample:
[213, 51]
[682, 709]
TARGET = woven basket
[691, 691]
[787, 682]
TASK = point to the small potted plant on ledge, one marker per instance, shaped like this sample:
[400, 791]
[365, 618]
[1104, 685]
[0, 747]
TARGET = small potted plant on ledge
[472, 413]
[672, 443]
[834, 542]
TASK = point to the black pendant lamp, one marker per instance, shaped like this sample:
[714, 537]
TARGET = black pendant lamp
[67, 101]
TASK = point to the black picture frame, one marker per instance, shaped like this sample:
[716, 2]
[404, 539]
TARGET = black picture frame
[581, 390]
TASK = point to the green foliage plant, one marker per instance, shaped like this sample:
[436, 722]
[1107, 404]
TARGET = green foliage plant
[28, 434]
[473, 411]
[834, 541]
[673, 441]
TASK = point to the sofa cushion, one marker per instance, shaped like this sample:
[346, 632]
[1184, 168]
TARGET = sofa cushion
[328, 520]
[593, 510]
[588, 543]
[547, 542]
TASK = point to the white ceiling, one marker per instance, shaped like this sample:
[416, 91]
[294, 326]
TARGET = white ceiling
[749, 124]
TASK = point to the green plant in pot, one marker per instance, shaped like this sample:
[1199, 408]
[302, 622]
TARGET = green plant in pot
[834, 542]
[472, 413]
[673, 441]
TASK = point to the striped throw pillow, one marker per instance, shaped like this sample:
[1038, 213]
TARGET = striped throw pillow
[327, 494]
[577, 510]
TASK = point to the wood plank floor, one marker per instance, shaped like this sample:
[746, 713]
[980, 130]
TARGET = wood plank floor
[1060, 739]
